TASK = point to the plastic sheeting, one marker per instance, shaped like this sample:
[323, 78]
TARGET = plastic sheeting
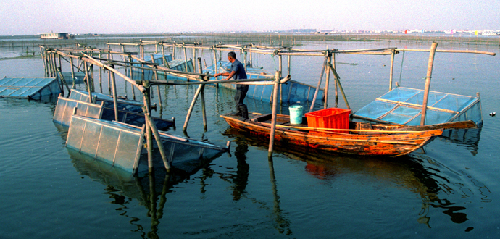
[404, 106]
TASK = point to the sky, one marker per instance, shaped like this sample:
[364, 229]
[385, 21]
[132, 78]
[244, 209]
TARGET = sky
[30, 17]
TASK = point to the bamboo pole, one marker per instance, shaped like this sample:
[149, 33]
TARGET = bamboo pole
[337, 79]
[185, 59]
[319, 84]
[274, 109]
[64, 81]
[190, 110]
[131, 75]
[100, 75]
[194, 60]
[156, 134]
[280, 70]
[155, 72]
[334, 65]
[428, 82]
[92, 77]
[392, 70]
[73, 85]
[109, 73]
[115, 103]
[289, 65]
[87, 81]
[327, 80]
[203, 110]
[149, 140]
[42, 55]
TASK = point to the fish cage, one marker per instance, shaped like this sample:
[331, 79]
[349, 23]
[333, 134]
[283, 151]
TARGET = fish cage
[404, 106]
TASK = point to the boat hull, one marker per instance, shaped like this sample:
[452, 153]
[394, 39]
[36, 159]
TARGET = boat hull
[389, 144]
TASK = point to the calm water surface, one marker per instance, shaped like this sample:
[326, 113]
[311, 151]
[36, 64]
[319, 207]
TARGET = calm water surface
[452, 190]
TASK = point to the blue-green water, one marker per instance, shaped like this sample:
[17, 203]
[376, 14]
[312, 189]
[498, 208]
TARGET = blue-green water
[48, 191]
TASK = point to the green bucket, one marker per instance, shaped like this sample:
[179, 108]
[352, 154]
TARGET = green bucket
[296, 113]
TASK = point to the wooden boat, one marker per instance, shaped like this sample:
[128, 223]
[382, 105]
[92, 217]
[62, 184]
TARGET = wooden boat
[393, 142]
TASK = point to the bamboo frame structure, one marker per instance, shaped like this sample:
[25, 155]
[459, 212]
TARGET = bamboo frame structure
[87, 56]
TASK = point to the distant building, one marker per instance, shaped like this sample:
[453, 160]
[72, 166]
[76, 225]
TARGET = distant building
[56, 36]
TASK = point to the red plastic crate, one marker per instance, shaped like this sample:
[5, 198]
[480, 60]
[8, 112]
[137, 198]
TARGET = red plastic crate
[332, 118]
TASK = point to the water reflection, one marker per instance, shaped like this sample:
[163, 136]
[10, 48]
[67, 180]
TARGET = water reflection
[122, 187]
[413, 173]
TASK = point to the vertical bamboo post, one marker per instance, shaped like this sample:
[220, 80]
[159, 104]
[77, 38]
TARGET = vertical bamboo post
[289, 64]
[73, 85]
[337, 79]
[190, 110]
[194, 60]
[150, 122]
[392, 69]
[319, 84]
[280, 70]
[186, 58]
[155, 72]
[115, 103]
[327, 80]
[92, 77]
[216, 68]
[53, 65]
[131, 75]
[149, 137]
[428, 82]
[273, 120]
[173, 51]
[202, 95]
[163, 55]
[42, 54]
[142, 50]
[87, 81]
[109, 72]
[334, 66]
[100, 74]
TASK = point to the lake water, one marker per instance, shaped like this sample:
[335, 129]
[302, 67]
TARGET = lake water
[452, 190]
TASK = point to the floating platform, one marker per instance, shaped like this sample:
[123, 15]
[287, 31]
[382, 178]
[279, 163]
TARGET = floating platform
[32, 88]
[404, 106]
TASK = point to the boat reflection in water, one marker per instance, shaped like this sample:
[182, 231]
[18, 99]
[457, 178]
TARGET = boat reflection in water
[410, 172]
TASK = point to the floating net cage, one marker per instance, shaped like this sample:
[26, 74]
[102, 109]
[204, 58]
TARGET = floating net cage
[404, 106]
[33, 88]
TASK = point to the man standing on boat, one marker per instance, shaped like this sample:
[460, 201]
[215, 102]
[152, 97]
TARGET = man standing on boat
[237, 72]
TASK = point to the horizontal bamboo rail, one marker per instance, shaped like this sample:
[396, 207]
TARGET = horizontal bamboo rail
[260, 81]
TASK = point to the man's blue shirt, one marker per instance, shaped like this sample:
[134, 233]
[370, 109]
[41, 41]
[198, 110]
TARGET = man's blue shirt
[239, 70]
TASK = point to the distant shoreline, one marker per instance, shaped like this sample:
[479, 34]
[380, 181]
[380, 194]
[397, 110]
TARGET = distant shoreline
[274, 39]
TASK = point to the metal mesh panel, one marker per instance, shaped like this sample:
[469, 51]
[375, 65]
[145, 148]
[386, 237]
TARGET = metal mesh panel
[28, 87]
[443, 107]
[65, 108]
[110, 142]
[107, 144]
